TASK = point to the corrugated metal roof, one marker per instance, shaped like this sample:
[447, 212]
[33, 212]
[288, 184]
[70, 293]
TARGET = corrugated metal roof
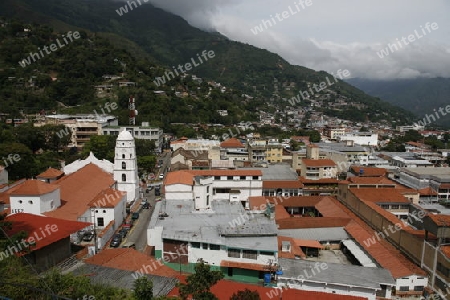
[359, 254]
[317, 234]
[348, 275]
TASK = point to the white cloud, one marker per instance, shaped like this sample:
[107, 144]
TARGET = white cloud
[331, 35]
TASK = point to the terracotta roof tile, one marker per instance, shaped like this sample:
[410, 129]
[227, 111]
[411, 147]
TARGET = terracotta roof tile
[248, 266]
[318, 162]
[381, 195]
[281, 213]
[383, 252]
[34, 187]
[232, 143]
[369, 171]
[44, 230]
[79, 189]
[296, 251]
[108, 198]
[282, 184]
[129, 259]
[179, 177]
[225, 289]
[50, 173]
[440, 220]
[428, 191]
[370, 180]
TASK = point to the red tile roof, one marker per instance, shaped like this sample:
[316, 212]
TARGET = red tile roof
[428, 191]
[225, 289]
[79, 189]
[383, 252]
[44, 230]
[369, 171]
[108, 198]
[34, 187]
[296, 251]
[281, 213]
[248, 266]
[179, 177]
[282, 184]
[296, 201]
[318, 162]
[370, 180]
[50, 173]
[129, 259]
[232, 143]
[440, 220]
[379, 195]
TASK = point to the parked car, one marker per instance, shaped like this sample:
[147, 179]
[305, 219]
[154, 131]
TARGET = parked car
[146, 205]
[144, 201]
[135, 216]
[117, 239]
[123, 232]
[161, 176]
[88, 236]
[128, 224]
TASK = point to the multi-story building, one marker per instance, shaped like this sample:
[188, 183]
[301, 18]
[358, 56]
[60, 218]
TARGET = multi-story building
[144, 132]
[360, 138]
[79, 127]
[333, 132]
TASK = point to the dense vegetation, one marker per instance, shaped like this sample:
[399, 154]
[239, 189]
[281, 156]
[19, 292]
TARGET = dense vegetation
[155, 36]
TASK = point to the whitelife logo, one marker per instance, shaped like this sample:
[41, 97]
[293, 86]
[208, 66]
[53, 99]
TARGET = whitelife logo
[391, 48]
[265, 24]
[53, 47]
[30, 241]
[188, 66]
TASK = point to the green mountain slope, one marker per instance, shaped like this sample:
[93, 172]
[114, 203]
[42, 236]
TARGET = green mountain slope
[163, 38]
[420, 96]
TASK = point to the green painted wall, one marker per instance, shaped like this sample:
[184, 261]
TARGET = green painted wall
[240, 275]
[158, 254]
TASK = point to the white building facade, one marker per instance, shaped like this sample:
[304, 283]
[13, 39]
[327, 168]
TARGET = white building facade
[125, 166]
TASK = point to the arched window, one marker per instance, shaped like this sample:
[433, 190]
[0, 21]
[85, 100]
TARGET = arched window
[124, 165]
[124, 177]
[123, 155]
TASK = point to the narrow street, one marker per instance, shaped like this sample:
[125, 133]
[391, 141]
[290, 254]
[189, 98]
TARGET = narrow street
[138, 233]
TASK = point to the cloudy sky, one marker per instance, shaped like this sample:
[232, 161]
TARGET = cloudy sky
[330, 35]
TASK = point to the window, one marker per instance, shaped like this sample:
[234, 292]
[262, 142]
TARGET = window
[207, 200]
[404, 206]
[255, 177]
[214, 247]
[229, 177]
[205, 246]
[30, 202]
[216, 177]
[195, 245]
[249, 254]
[236, 253]
[124, 177]
[384, 206]
[100, 222]
[20, 201]
[404, 288]
[265, 253]
[419, 288]
[104, 211]
[242, 177]
[124, 165]
[207, 189]
[395, 206]
[123, 155]
[52, 204]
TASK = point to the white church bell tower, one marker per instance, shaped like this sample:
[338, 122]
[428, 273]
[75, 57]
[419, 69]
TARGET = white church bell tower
[125, 166]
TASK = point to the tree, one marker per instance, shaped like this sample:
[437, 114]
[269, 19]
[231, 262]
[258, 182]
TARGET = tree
[102, 146]
[199, 284]
[246, 295]
[144, 147]
[146, 163]
[143, 288]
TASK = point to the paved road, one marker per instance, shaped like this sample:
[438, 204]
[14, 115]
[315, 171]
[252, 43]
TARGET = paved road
[138, 234]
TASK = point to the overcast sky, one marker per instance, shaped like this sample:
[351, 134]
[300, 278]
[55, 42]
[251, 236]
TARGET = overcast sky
[330, 35]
